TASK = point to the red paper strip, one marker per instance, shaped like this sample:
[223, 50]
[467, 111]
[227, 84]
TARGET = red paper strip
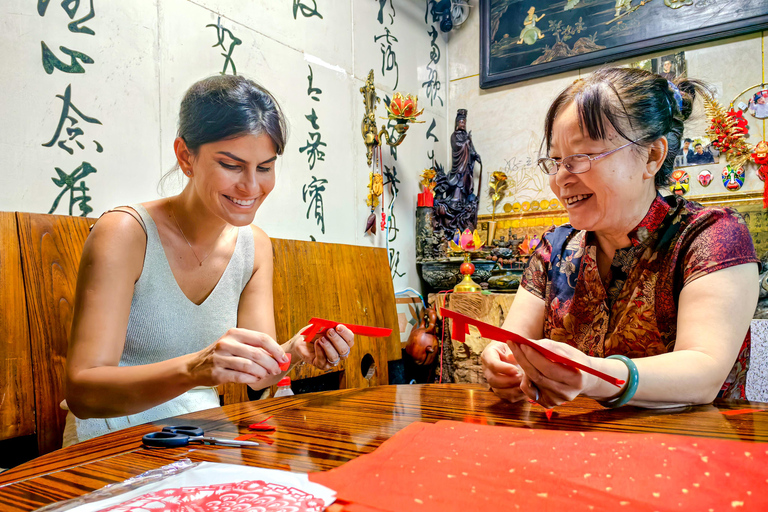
[460, 329]
[284, 366]
[318, 327]
[741, 411]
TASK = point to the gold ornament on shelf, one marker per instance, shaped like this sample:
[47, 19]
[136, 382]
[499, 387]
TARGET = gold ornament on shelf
[727, 130]
[497, 189]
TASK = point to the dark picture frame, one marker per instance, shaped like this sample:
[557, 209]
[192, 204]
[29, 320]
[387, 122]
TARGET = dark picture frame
[524, 39]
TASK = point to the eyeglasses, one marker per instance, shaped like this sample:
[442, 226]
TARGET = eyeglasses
[575, 164]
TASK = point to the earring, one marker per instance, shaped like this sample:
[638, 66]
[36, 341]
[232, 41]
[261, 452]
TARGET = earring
[188, 173]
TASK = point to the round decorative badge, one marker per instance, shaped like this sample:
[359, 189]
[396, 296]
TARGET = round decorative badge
[544, 204]
[534, 206]
[516, 207]
[507, 207]
[526, 206]
[554, 204]
[705, 178]
[733, 179]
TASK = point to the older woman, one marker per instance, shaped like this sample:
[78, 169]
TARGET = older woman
[174, 296]
[657, 291]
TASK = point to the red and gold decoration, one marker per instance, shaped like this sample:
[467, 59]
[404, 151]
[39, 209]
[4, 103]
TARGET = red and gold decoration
[403, 110]
[760, 157]
[680, 182]
[426, 197]
[468, 243]
[727, 130]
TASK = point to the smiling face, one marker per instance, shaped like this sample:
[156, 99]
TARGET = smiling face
[611, 197]
[232, 177]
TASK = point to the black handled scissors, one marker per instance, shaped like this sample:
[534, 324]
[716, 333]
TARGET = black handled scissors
[182, 435]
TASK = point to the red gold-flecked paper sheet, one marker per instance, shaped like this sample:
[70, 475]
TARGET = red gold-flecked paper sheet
[453, 466]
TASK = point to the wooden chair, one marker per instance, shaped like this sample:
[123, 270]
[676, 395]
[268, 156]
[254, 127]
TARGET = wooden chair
[38, 275]
[51, 246]
[17, 411]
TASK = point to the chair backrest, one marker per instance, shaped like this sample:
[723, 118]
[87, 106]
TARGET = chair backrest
[51, 246]
[17, 411]
[344, 283]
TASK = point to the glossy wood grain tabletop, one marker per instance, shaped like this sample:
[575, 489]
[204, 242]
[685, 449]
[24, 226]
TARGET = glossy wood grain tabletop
[319, 431]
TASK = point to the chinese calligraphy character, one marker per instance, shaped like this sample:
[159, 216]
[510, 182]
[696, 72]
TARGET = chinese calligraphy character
[429, 132]
[312, 118]
[388, 55]
[67, 183]
[314, 153]
[312, 92]
[380, 17]
[50, 61]
[433, 84]
[314, 191]
[70, 7]
[394, 261]
[306, 11]
[221, 32]
[72, 130]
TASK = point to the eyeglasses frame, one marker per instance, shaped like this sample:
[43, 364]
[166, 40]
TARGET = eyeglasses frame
[590, 158]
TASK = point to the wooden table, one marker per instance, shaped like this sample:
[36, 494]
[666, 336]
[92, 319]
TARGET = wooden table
[319, 431]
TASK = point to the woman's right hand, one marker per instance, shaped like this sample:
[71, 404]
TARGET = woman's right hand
[502, 372]
[241, 355]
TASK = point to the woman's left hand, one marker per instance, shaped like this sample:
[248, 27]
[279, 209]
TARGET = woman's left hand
[326, 352]
[549, 383]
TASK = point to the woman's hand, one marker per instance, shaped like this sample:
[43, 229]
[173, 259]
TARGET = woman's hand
[501, 371]
[241, 355]
[549, 383]
[327, 351]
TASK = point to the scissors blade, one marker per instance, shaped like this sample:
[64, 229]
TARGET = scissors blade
[226, 442]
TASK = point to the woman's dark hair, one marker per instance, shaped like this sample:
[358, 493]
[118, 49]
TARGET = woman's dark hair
[223, 107]
[640, 105]
[226, 106]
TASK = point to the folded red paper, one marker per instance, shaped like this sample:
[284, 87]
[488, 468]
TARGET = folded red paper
[318, 326]
[460, 329]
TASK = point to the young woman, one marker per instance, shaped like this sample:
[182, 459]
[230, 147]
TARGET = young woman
[174, 296]
[657, 291]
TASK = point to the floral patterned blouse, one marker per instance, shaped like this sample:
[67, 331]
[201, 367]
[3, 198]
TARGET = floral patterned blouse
[636, 314]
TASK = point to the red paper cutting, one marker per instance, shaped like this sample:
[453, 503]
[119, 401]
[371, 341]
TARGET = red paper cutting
[460, 329]
[453, 466]
[232, 497]
[318, 326]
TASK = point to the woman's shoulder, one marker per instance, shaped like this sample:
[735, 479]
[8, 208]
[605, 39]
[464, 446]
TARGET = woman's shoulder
[117, 241]
[262, 248]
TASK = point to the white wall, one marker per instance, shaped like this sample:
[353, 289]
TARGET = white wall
[147, 52]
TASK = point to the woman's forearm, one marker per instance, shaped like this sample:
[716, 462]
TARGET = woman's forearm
[684, 377]
[112, 391]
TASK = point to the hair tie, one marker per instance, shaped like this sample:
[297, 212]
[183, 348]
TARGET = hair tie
[678, 95]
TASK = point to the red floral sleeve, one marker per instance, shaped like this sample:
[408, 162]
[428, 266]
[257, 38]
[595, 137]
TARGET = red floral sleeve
[718, 238]
[535, 274]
